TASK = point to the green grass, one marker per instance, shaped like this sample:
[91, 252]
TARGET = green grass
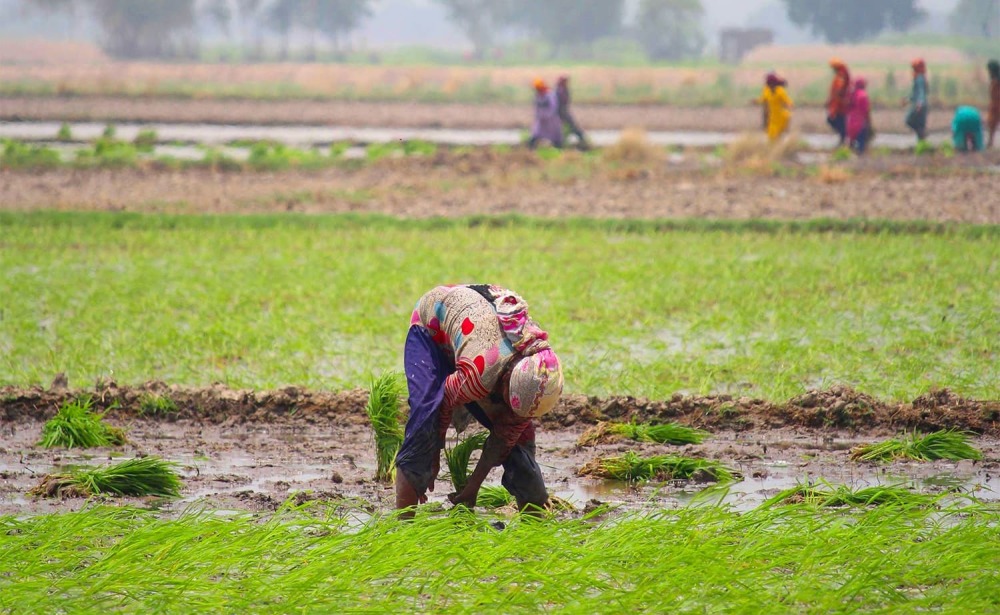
[140, 477]
[785, 559]
[77, 425]
[948, 444]
[153, 404]
[633, 467]
[494, 496]
[18, 155]
[648, 308]
[386, 415]
[666, 433]
[458, 457]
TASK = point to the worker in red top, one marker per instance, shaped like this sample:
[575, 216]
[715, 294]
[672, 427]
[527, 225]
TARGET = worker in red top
[839, 100]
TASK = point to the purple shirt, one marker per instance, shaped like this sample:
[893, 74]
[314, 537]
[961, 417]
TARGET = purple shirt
[547, 123]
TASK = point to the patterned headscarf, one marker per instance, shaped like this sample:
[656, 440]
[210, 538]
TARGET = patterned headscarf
[536, 382]
[521, 331]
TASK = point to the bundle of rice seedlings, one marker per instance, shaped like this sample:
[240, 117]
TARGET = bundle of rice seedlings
[494, 496]
[631, 467]
[139, 477]
[151, 403]
[77, 425]
[634, 147]
[385, 413]
[824, 494]
[667, 433]
[948, 444]
[458, 458]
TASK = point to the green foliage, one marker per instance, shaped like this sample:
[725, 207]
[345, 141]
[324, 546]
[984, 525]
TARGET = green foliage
[108, 153]
[632, 467]
[924, 148]
[265, 156]
[110, 132]
[666, 433]
[416, 147]
[18, 155]
[338, 148]
[841, 154]
[565, 23]
[65, 132]
[145, 140]
[378, 151]
[458, 457]
[77, 425]
[948, 444]
[670, 29]
[140, 477]
[841, 21]
[385, 412]
[548, 153]
[218, 160]
[154, 404]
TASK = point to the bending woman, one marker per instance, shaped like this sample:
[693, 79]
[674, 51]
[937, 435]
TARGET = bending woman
[474, 346]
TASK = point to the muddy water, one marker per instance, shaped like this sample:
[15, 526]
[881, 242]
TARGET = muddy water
[257, 466]
[304, 136]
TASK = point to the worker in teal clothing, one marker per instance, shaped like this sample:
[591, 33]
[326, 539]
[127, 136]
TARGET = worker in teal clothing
[967, 129]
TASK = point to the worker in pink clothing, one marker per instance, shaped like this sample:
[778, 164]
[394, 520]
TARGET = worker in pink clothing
[859, 117]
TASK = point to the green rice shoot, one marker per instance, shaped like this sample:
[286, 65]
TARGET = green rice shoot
[825, 494]
[666, 433]
[153, 404]
[632, 467]
[385, 413]
[77, 425]
[950, 444]
[494, 496]
[458, 457]
[140, 477]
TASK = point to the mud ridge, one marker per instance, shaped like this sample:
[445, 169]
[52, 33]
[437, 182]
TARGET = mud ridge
[837, 408]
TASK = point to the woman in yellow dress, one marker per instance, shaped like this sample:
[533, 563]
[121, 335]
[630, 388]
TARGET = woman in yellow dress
[778, 104]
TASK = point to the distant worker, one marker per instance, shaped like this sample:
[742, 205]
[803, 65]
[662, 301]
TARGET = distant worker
[916, 117]
[859, 117]
[547, 125]
[967, 129]
[993, 119]
[839, 99]
[569, 122]
[779, 106]
[475, 346]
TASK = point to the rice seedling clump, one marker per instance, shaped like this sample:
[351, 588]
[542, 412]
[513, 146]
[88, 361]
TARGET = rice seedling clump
[948, 444]
[825, 494]
[458, 458]
[143, 476]
[633, 467]
[385, 413]
[666, 433]
[494, 496]
[77, 425]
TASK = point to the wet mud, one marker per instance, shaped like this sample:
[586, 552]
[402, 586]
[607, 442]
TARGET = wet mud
[254, 450]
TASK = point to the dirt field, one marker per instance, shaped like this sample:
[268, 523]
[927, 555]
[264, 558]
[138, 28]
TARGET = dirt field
[484, 182]
[251, 450]
[419, 115]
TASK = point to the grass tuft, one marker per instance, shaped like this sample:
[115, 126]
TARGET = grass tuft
[948, 444]
[385, 413]
[633, 146]
[144, 476]
[631, 467]
[77, 425]
[458, 458]
[154, 404]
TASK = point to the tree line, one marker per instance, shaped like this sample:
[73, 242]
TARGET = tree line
[664, 29]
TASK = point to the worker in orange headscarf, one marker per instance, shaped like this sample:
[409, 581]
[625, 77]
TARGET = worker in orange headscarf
[839, 100]
[548, 125]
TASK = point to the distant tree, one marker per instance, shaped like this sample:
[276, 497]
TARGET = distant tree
[567, 22]
[280, 19]
[250, 18]
[337, 18]
[480, 20]
[144, 28]
[670, 29]
[842, 21]
[976, 18]
[219, 12]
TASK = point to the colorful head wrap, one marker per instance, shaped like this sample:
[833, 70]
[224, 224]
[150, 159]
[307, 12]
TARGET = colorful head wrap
[860, 83]
[773, 80]
[919, 66]
[526, 337]
[540, 85]
[837, 64]
[536, 382]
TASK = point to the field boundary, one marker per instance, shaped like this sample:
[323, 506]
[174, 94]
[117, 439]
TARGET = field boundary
[164, 222]
[836, 408]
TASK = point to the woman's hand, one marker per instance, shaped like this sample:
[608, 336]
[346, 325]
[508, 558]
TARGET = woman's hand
[467, 497]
